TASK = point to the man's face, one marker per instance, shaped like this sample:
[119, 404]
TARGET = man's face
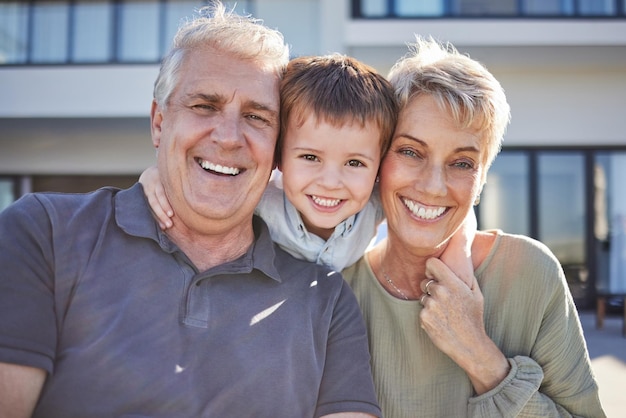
[216, 139]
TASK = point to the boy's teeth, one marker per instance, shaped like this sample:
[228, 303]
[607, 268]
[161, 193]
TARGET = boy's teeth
[422, 212]
[219, 168]
[325, 202]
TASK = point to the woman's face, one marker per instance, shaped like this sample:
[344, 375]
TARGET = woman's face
[430, 177]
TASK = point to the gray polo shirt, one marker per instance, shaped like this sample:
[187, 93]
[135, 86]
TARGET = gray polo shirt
[94, 293]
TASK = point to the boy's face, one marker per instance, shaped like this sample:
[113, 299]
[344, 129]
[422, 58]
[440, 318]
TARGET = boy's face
[328, 171]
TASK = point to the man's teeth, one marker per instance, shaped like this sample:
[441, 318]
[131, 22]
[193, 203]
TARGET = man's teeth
[219, 168]
[325, 202]
[422, 212]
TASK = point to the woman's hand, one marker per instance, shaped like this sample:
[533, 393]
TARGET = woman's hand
[458, 253]
[153, 189]
[453, 319]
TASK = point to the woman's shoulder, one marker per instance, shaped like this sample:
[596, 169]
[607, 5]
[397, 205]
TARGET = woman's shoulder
[513, 250]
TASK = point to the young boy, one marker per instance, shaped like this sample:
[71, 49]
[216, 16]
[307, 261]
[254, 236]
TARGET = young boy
[337, 119]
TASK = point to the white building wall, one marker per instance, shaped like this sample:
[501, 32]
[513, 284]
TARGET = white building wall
[565, 80]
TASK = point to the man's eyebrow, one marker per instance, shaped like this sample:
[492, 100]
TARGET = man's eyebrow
[219, 98]
[206, 97]
[262, 107]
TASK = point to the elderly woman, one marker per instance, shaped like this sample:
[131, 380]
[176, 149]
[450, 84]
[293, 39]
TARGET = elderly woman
[507, 342]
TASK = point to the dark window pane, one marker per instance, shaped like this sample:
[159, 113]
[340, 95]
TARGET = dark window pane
[139, 31]
[50, 32]
[562, 205]
[596, 7]
[419, 8]
[484, 7]
[92, 31]
[13, 32]
[610, 221]
[374, 8]
[175, 12]
[504, 201]
[7, 195]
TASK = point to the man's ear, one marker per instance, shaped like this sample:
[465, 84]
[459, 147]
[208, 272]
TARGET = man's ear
[156, 119]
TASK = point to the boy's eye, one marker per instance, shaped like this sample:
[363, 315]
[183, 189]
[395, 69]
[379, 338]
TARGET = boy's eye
[355, 163]
[309, 157]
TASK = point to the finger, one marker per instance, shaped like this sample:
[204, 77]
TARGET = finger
[437, 269]
[159, 213]
[423, 299]
[426, 284]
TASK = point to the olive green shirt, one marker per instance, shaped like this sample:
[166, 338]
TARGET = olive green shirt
[529, 314]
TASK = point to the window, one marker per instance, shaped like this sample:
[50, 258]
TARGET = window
[487, 8]
[50, 23]
[7, 192]
[505, 200]
[92, 31]
[561, 183]
[484, 7]
[13, 32]
[139, 31]
[419, 8]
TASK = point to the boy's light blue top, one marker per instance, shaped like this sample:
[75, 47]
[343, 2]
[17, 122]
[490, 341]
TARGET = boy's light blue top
[345, 246]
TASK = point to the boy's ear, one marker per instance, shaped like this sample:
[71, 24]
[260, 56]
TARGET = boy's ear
[156, 119]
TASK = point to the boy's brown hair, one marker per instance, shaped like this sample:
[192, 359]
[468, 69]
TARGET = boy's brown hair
[339, 90]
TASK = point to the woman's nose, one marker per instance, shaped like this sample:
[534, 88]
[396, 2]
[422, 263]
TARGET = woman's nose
[434, 181]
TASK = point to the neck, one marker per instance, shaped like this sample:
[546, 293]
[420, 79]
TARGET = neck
[209, 249]
[398, 272]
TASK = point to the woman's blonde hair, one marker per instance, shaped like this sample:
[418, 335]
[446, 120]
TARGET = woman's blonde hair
[459, 84]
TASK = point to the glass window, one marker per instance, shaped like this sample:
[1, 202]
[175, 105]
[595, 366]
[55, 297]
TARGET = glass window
[504, 201]
[50, 31]
[374, 8]
[561, 201]
[92, 31]
[175, 12]
[596, 7]
[610, 221]
[484, 7]
[13, 32]
[547, 7]
[7, 195]
[139, 31]
[419, 8]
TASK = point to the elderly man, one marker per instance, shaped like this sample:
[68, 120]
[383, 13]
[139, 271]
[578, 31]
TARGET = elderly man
[102, 314]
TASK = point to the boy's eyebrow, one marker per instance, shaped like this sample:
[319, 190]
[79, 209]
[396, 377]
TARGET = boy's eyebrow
[318, 151]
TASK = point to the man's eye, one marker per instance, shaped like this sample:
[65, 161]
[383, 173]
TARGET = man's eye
[464, 165]
[258, 118]
[203, 106]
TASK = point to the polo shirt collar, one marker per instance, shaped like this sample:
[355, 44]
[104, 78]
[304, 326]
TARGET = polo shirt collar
[133, 216]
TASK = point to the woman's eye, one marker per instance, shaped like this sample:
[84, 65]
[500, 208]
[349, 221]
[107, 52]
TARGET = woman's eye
[355, 163]
[408, 152]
